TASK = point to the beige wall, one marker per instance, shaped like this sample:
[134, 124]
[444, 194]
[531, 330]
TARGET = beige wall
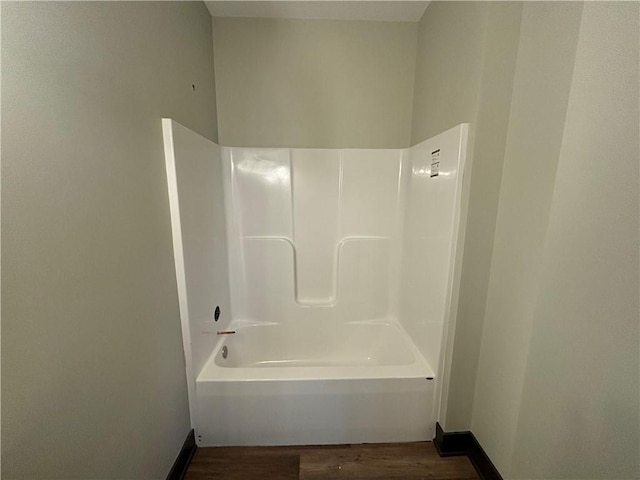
[545, 360]
[448, 67]
[580, 411]
[93, 376]
[541, 87]
[314, 83]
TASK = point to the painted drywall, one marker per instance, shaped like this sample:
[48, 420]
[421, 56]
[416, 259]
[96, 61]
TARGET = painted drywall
[314, 83]
[93, 377]
[448, 67]
[580, 412]
[541, 87]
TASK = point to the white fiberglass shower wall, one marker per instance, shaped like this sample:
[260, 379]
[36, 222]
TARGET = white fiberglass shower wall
[341, 276]
[312, 235]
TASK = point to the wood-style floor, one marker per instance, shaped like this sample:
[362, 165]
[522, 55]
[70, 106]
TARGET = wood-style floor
[398, 461]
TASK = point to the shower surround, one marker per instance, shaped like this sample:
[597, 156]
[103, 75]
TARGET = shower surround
[336, 271]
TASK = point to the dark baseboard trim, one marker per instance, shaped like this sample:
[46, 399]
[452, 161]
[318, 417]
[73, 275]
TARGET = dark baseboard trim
[465, 443]
[452, 444]
[179, 469]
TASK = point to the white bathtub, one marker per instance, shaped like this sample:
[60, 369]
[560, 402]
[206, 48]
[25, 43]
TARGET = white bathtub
[308, 383]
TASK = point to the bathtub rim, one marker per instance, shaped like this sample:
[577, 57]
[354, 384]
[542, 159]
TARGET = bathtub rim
[419, 368]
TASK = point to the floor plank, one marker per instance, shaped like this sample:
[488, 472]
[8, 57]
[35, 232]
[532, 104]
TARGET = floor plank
[244, 467]
[378, 462]
[406, 461]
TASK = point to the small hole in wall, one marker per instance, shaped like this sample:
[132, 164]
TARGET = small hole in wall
[193, 87]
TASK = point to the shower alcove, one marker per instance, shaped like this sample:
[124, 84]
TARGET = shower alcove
[335, 268]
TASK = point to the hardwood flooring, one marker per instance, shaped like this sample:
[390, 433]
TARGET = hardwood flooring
[398, 461]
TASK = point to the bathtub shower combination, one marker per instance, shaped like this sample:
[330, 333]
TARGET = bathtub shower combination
[316, 287]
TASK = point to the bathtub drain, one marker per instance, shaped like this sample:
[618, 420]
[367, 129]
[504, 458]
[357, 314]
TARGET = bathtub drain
[225, 351]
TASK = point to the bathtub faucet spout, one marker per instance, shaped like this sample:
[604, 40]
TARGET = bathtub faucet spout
[227, 332]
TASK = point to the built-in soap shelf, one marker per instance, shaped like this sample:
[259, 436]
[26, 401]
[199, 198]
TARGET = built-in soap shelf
[360, 275]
